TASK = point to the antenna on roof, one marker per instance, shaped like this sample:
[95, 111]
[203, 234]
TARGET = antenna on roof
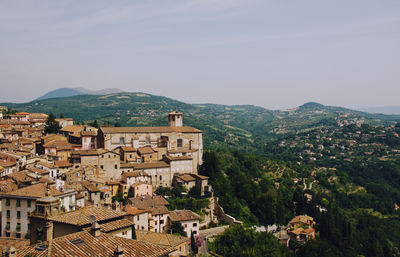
[92, 219]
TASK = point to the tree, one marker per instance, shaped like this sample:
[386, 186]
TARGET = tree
[193, 245]
[94, 124]
[133, 232]
[240, 241]
[52, 125]
[176, 228]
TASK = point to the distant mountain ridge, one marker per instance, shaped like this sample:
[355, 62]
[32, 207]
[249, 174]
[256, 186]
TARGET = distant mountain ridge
[245, 127]
[67, 92]
[389, 110]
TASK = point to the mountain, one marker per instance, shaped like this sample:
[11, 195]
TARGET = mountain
[66, 92]
[383, 109]
[246, 127]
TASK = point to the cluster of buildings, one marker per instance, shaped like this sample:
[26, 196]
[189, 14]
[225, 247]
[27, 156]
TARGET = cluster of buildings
[63, 194]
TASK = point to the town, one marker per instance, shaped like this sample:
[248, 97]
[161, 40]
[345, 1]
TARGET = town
[82, 183]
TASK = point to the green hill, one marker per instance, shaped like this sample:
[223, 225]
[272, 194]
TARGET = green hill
[246, 127]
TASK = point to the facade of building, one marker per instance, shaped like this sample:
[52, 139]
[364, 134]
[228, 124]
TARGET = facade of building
[174, 137]
[17, 204]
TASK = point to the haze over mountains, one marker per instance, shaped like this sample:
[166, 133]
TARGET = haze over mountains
[66, 92]
[241, 126]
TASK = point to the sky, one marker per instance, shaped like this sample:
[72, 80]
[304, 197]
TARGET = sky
[274, 54]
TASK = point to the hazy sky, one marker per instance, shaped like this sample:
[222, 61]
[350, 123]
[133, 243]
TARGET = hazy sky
[275, 54]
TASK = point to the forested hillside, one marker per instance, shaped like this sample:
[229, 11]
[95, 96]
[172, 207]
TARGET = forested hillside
[341, 167]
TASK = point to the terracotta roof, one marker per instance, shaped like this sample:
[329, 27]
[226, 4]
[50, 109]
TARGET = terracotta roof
[7, 186]
[113, 183]
[134, 211]
[301, 219]
[186, 177]
[34, 191]
[91, 152]
[128, 149]
[116, 130]
[62, 164]
[81, 217]
[18, 243]
[47, 165]
[307, 231]
[7, 164]
[296, 231]
[20, 177]
[39, 171]
[83, 244]
[150, 165]
[57, 144]
[183, 215]
[160, 238]
[115, 225]
[159, 210]
[38, 116]
[79, 196]
[145, 150]
[72, 128]
[147, 202]
[92, 188]
[200, 177]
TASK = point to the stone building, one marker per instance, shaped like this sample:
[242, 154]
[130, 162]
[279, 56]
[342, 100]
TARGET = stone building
[174, 139]
[16, 206]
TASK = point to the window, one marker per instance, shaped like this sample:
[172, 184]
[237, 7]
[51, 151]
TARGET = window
[29, 203]
[161, 222]
[130, 156]
[18, 203]
[18, 226]
[18, 235]
[180, 142]
[147, 140]
[194, 224]
[101, 167]
[116, 166]
[185, 225]
[194, 232]
[122, 140]
[160, 177]
[137, 218]
[8, 226]
[8, 202]
[18, 214]
[155, 223]
[7, 234]
[8, 214]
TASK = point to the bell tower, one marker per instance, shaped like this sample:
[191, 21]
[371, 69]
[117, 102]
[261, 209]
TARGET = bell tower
[41, 228]
[175, 119]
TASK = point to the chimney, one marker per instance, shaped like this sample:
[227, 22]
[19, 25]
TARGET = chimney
[95, 230]
[119, 252]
